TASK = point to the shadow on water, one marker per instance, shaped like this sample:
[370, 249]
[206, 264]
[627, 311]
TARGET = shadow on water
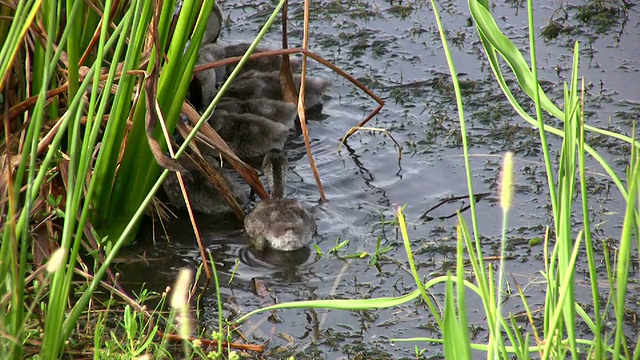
[395, 50]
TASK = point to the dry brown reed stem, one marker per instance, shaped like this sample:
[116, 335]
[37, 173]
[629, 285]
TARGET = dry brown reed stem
[30, 102]
[301, 113]
[12, 161]
[153, 111]
[187, 203]
[245, 347]
[96, 34]
[289, 91]
[290, 94]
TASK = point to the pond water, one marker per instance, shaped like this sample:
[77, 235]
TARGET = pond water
[394, 48]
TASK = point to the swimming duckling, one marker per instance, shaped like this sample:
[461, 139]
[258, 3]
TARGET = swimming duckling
[278, 111]
[278, 223]
[249, 135]
[203, 87]
[214, 24]
[255, 84]
[203, 196]
[211, 52]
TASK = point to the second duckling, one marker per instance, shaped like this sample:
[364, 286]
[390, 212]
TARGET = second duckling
[203, 195]
[279, 111]
[255, 84]
[249, 135]
[279, 223]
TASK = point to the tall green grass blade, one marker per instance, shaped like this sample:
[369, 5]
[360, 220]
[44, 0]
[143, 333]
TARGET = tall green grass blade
[463, 125]
[20, 231]
[566, 192]
[219, 301]
[21, 226]
[414, 269]
[53, 311]
[487, 26]
[593, 275]
[452, 333]
[461, 303]
[74, 50]
[624, 257]
[521, 345]
[480, 270]
[115, 130]
[485, 289]
[491, 33]
[22, 19]
[455, 332]
[179, 72]
[5, 26]
[94, 122]
[550, 276]
[553, 337]
[540, 121]
[61, 284]
[142, 166]
[478, 265]
[12, 271]
[139, 169]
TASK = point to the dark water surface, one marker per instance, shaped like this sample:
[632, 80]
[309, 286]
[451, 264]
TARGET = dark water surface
[394, 48]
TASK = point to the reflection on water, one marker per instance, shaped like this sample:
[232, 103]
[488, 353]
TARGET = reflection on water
[281, 266]
[398, 55]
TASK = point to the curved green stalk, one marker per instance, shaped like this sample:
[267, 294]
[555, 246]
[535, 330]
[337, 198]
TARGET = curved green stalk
[495, 42]
[624, 256]
[414, 270]
[23, 18]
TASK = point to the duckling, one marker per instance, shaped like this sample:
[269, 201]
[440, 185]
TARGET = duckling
[278, 223]
[278, 111]
[203, 87]
[203, 196]
[254, 84]
[249, 135]
[214, 24]
[211, 52]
